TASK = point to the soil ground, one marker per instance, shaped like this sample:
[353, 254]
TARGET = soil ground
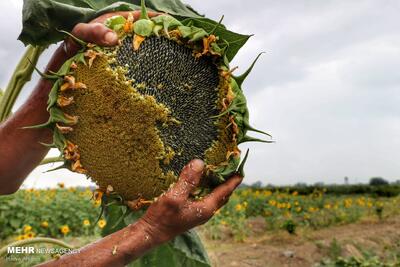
[307, 247]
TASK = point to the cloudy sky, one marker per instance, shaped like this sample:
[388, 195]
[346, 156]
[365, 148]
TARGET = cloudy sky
[327, 88]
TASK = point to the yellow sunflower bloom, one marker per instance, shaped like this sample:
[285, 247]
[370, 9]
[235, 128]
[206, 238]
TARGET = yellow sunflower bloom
[44, 224]
[30, 235]
[238, 207]
[20, 237]
[101, 223]
[64, 229]
[27, 228]
[97, 203]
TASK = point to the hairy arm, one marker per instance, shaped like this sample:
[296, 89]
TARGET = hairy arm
[172, 214]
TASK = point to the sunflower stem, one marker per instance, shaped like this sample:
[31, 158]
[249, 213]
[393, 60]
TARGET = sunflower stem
[143, 10]
[22, 74]
[51, 160]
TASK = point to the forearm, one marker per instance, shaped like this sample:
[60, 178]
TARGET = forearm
[20, 149]
[117, 249]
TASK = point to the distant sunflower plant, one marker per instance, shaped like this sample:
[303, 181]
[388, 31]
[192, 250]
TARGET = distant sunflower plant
[65, 229]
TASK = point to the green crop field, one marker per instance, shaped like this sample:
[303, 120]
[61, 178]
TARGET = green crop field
[72, 215]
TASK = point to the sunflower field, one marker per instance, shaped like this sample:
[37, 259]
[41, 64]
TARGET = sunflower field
[52, 213]
[288, 210]
[62, 212]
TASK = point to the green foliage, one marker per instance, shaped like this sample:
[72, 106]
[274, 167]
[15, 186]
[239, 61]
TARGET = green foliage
[184, 250]
[372, 261]
[379, 211]
[41, 27]
[234, 40]
[30, 213]
[335, 250]
[377, 181]
[33, 213]
[292, 210]
[390, 190]
[289, 226]
[70, 207]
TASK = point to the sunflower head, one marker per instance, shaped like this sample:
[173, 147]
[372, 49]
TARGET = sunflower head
[131, 116]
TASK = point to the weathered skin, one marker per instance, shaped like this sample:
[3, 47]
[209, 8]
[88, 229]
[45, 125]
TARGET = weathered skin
[172, 214]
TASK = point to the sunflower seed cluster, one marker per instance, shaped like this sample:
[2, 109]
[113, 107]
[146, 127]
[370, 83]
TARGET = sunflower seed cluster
[186, 85]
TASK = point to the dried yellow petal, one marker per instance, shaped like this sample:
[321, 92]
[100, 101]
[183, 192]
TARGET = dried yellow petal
[207, 42]
[72, 120]
[77, 167]
[128, 26]
[63, 101]
[71, 84]
[137, 41]
[91, 54]
[71, 152]
[64, 129]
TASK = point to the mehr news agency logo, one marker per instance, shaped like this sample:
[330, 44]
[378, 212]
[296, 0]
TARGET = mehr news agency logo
[33, 250]
[27, 254]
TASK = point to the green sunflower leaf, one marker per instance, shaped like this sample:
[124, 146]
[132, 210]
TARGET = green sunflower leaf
[41, 19]
[234, 40]
[115, 22]
[184, 250]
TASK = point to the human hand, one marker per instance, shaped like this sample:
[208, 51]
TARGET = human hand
[175, 212]
[93, 32]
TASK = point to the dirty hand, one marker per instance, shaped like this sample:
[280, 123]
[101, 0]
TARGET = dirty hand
[176, 212]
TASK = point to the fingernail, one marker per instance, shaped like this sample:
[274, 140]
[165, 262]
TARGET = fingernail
[110, 37]
[197, 165]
